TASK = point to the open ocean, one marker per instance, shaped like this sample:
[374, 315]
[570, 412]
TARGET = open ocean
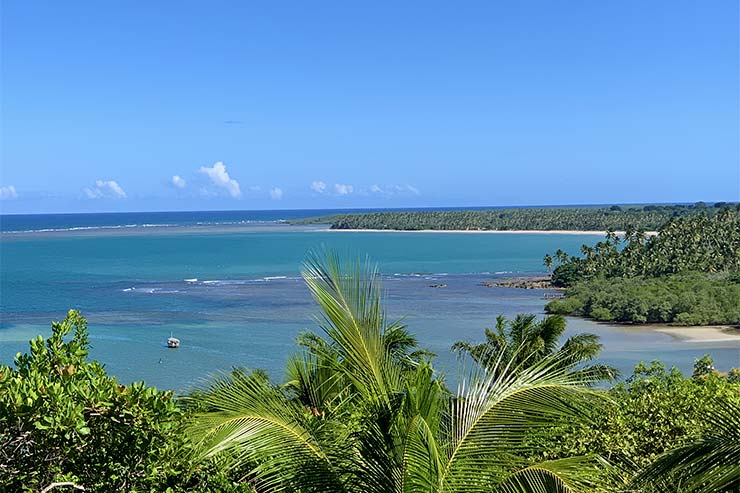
[227, 284]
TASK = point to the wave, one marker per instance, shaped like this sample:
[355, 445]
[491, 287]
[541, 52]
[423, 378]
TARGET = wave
[236, 282]
[151, 290]
[88, 228]
[142, 225]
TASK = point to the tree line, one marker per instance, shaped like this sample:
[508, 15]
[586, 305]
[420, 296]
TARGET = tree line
[689, 274]
[617, 218]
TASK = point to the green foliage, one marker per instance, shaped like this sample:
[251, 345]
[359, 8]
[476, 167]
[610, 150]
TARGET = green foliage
[566, 274]
[63, 419]
[571, 218]
[694, 243]
[709, 463]
[654, 412]
[682, 299]
[525, 342]
[685, 275]
[363, 410]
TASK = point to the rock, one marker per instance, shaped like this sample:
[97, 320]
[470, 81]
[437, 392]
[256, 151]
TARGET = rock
[521, 283]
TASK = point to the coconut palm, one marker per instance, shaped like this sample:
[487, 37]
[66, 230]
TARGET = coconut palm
[561, 256]
[525, 342]
[363, 411]
[547, 261]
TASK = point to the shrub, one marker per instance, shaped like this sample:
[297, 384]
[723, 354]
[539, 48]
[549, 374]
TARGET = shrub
[63, 419]
[601, 313]
[654, 411]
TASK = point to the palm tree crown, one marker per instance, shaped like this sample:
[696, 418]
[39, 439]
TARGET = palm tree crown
[363, 411]
[525, 341]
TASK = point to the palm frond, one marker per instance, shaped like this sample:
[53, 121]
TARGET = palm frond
[571, 475]
[353, 319]
[495, 412]
[708, 464]
[252, 422]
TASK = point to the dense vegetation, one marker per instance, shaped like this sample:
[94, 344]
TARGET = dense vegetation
[683, 299]
[63, 420]
[363, 410]
[687, 274]
[652, 418]
[647, 218]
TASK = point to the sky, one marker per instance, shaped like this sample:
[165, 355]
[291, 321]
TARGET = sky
[133, 106]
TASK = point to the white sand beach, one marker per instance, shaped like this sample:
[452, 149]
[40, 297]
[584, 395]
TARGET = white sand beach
[485, 231]
[711, 333]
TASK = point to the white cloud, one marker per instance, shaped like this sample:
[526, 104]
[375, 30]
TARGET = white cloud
[342, 189]
[413, 190]
[318, 186]
[220, 178]
[92, 193]
[276, 193]
[402, 189]
[105, 189]
[7, 193]
[390, 190]
[112, 186]
[178, 181]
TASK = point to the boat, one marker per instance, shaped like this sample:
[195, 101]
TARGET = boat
[173, 342]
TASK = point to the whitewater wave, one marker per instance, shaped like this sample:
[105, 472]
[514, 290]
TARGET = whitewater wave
[228, 282]
[143, 225]
[88, 228]
[150, 290]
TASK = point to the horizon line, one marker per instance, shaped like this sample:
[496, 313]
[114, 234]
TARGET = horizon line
[380, 209]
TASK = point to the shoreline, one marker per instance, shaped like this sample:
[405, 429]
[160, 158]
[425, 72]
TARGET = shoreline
[483, 231]
[194, 229]
[700, 333]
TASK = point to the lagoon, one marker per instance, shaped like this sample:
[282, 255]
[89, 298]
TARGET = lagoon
[233, 295]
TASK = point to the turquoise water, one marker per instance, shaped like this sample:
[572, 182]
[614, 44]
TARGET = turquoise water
[137, 285]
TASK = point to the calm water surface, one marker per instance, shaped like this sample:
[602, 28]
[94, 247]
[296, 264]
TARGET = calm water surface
[137, 286]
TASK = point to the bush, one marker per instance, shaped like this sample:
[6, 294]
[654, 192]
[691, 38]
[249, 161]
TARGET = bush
[63, 419]
[654, 411]
[566, 275]
[682, 299]
[568, 306]
[601, 313]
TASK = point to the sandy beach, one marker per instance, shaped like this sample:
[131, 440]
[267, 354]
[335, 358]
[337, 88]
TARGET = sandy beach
[485, 231]
[719, 333]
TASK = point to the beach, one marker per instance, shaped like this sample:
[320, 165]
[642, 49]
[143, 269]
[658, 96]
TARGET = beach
[711, 333]
[486, 231]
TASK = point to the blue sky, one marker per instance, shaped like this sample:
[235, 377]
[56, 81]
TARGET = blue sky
[259, 105]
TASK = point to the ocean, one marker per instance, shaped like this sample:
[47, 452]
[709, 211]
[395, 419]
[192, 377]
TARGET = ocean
[228, 285]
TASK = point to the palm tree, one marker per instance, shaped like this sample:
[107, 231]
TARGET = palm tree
[525, 342]
[363, 411]
[561, 256]
[547, 261]
[710, 464]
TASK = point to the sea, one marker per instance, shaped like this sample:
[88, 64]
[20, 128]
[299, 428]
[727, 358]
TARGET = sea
[228, 285]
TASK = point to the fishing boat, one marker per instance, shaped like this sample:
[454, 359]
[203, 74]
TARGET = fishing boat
[173, 342]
